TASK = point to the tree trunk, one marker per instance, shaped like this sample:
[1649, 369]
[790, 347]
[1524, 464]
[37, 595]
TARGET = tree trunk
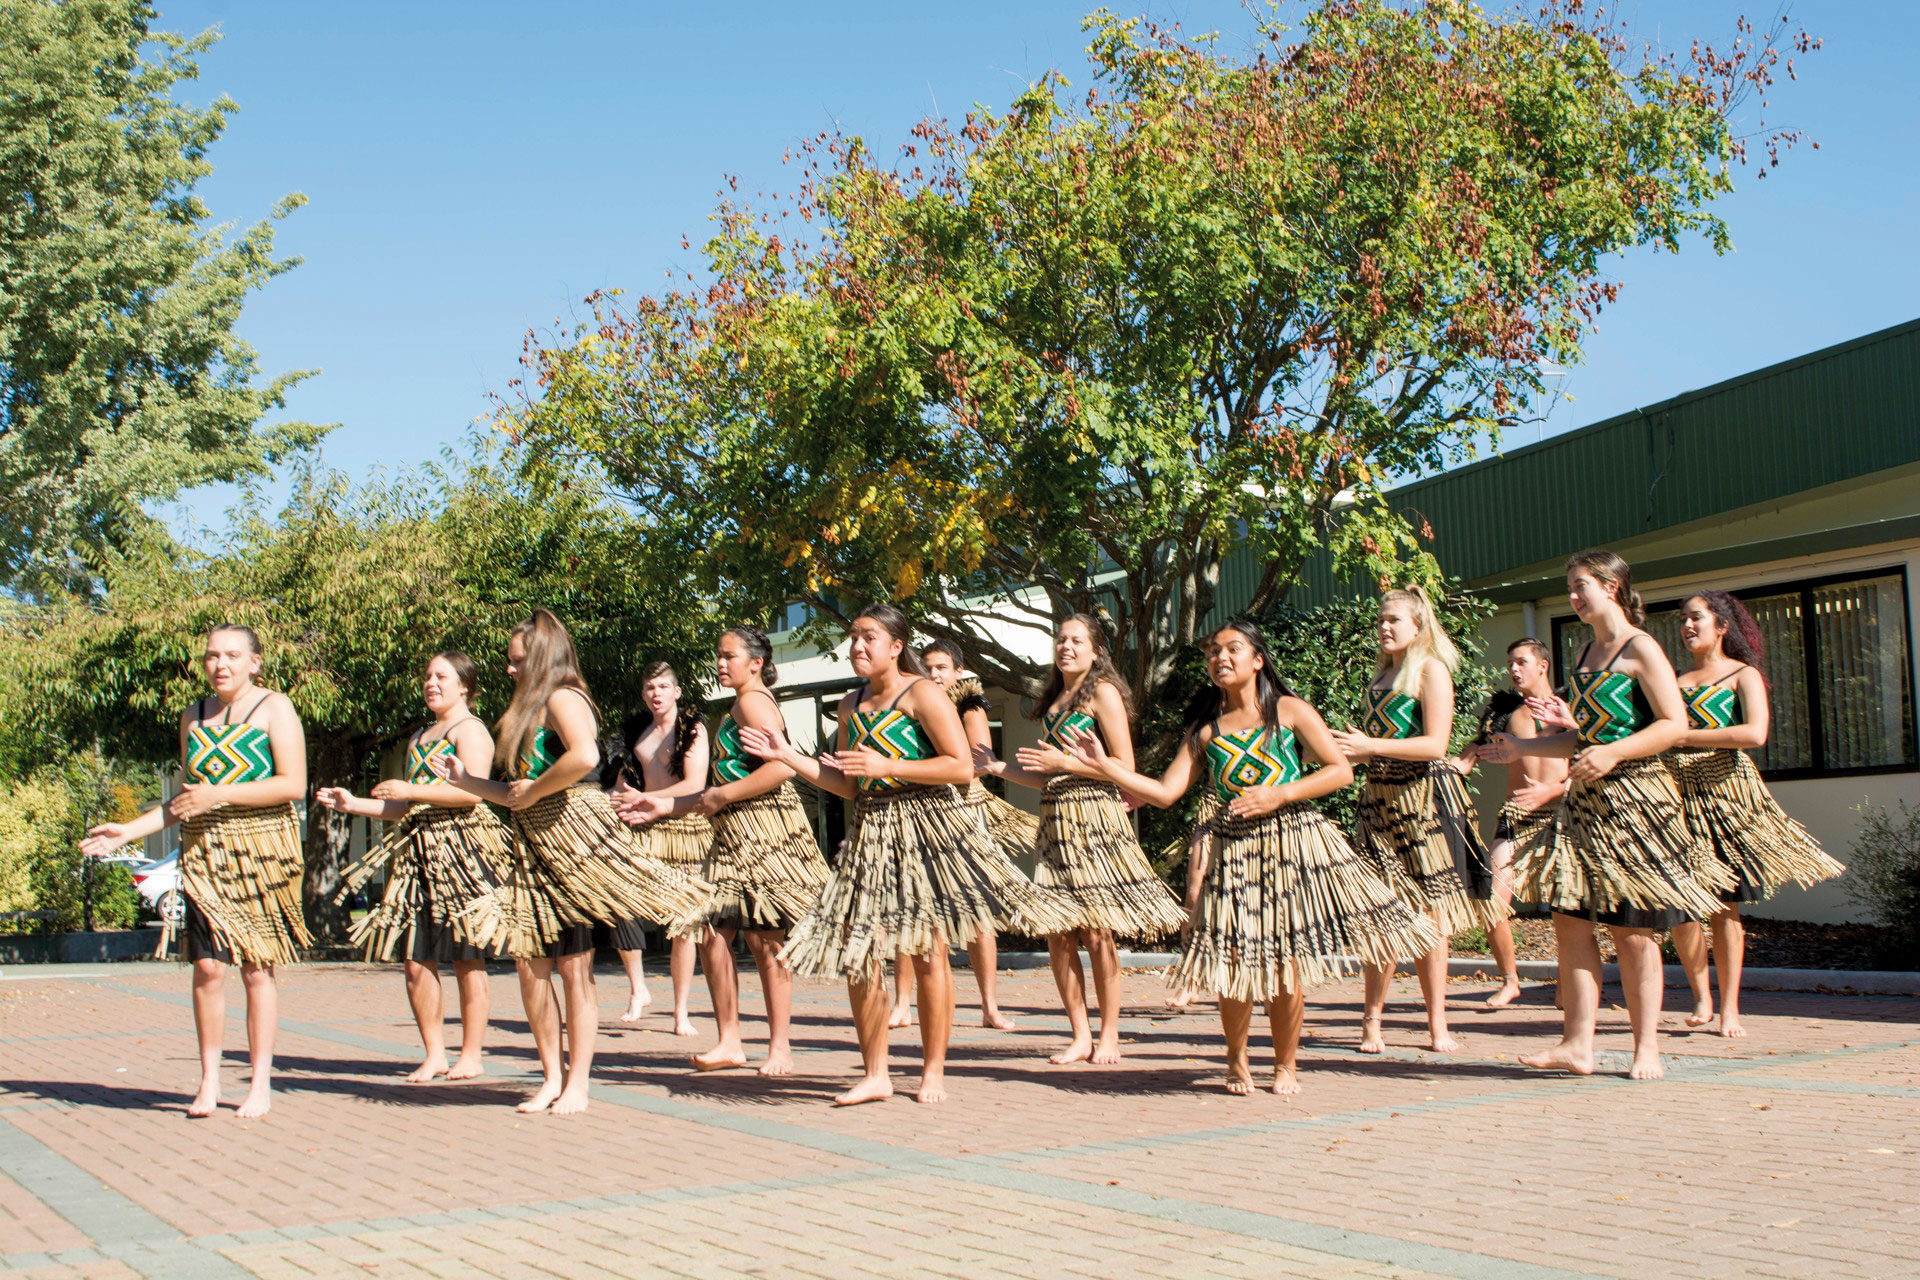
[336, 763]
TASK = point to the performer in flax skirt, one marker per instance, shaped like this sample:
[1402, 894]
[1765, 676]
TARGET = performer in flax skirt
[1012, 828]
[1277, 898]
[1728, 807]
[1087, 851]
[763, 861]
[1416, 822]
[575, 864]
[1620, 852]
[918, 871]
[446, 852]
[243, 755]
[668, 746]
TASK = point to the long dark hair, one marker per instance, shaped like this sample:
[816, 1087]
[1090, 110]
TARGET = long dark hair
[895, 624]
[685, 725]
[550, 665]
[1740, 639]
[1203, 708]
[758, 646]
[1616, 573]
[1102, 670]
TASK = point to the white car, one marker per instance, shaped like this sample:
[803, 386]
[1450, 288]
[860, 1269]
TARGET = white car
[159, 886]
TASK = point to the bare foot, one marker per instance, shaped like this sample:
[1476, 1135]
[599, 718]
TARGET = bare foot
[683, 1025]
[1702, 1013]
[1239, 1079]
[1730, 1027]
[722, 1057]
[902, 1016]
[1509, 992]
[1646, 1066]
[434, 1066]
[1107, 1051]
[994, 1020]
[207, 1101]
[1370, 1039]
[779, 1062]
[1078, 1051]
[1180, 999]
[572, 1100]
[933, 1088]
[541, 1100]
[1286, 1082]
[637, 1006]
[1441, 1042]
[870, 1089]
[1560, 1058]
[258, 1102]
[465, 1068]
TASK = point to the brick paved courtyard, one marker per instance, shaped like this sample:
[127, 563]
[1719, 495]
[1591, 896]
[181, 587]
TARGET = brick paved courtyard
[1792, 1153]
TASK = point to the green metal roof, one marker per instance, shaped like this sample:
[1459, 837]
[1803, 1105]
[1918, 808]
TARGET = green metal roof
[1831, 416]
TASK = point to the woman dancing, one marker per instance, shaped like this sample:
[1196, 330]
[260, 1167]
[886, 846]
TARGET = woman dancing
[1728, 807]
[667, 743]
[243, 757]
[918, 871]
[1087, 851]
[1276, 896]
[447, 852]
[763, 861]
[1012, 828]
[1416, 822]
[575, 863]
[1619, 853]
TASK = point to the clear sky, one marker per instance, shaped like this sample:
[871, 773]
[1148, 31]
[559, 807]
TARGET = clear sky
[476, 169]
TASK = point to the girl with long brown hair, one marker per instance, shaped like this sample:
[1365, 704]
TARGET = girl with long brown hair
[1086, 850]
[576, 864]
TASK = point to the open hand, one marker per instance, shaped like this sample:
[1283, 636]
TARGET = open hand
[520, 794]
[1256, 802]
[104, 839]
[1532, 796]
[1593, 763]
[1044, 758]
[1501, 748]
[986, 763]
[448, 766]
[861, 762]
[389, 789]
[1356, 747]
[1551, 713]
[768, 744]
[194, 799]
[334, 798]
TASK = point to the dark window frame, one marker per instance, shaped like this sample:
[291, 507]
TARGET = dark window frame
[1810, 657]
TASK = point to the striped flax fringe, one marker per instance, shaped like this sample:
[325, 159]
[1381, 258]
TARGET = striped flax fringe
[1621, 841]
[1012, 828]
[439, 863]
[1523, 826]
[680, 841]
[1284, 904]
[1087, 853]
[918, 872]
[242, 867]
[1417, 828]
[763, 863]
[1732, 812]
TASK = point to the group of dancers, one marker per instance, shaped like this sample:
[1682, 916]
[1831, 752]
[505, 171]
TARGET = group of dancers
[1631, 803]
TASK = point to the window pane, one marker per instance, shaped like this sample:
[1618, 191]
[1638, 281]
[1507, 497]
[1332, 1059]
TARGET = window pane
[1790, 738]
[1866, 708]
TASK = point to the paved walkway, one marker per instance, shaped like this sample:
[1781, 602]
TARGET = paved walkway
[1792, 1153]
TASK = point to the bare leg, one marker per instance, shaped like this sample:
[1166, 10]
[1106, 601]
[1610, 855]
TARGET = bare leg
[1579, 953]
[682, 967]
[1286, 1013]
[470, 980]
[583, 1025]
[723, 984]
[934, 976]
[263, 1024]
[776, 985]
[1690, 944]
[1106, 987]
[1644, 984]
[1730, 954]
[1500, 936]
[1377, 978]
[1063, 952]
[1432, 971]
[984, 954]
[210, 1027]
[423, 993]
[637, 1002]
[901, 1014]
[869, 1001]
[543, 1018]
[1236, 1023]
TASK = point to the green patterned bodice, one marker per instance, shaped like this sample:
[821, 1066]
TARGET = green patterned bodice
[1608, 706]
[420, 758]
[228, 753]
[892, 733]
[730, 760]
[1054, 728]
[1712, 706]
[1392, 715]
[541, 754]
[1262, 756]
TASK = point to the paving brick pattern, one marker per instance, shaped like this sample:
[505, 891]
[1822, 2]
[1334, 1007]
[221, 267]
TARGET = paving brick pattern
[1795, 1152]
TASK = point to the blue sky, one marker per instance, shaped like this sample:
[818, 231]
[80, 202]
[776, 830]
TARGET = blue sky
[475, 170]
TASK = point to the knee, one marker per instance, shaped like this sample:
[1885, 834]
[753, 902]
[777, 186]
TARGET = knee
[417, 972]
[205, 970]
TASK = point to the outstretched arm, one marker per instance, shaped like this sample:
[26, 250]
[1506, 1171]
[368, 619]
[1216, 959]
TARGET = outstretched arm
[1161, 792]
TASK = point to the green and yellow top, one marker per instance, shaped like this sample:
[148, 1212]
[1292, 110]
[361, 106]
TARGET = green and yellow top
[892, 733]
[420, 757]
[1263, 756]
[1714, 706]
[1392, 715]
[1059, 729]
[1608, 705]
[226, 753]
[541, 754]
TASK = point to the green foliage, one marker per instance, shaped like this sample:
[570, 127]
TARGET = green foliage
[1072, 354]
[42, 818]
[121, 379]
[1883, 878]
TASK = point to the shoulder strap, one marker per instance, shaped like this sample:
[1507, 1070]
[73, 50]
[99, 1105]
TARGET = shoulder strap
[247, 718]
[903, 693]
[1621, 651]
[1729, 676]
[199, 714]
[1581, 661]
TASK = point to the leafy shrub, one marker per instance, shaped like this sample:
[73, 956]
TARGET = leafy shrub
[42, 818]
[1883, 878]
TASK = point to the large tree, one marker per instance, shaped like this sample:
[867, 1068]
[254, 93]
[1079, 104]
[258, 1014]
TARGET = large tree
[1070, 355]
[121, 378]
[352, 588]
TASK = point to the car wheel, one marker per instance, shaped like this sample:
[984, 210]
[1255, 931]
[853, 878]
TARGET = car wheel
[172, 907]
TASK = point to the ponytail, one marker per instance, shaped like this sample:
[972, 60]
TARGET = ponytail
[1430, 641]
[1615, 572]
